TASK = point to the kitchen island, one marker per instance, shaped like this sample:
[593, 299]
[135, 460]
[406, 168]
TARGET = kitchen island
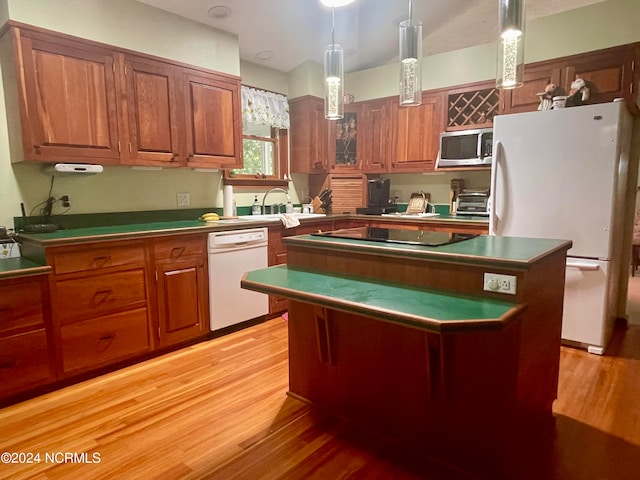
[404, 341]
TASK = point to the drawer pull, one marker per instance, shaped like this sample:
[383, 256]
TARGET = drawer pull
[107, 336]
[102, 260]
[102, 296]
[177, 251]
[9, 364]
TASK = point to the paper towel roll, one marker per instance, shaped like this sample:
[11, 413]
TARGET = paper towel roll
[227, 201]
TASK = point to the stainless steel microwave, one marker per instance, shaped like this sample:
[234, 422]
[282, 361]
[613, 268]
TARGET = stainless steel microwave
[466, 148]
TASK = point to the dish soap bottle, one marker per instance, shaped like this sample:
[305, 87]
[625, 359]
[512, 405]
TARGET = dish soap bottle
[255, 208]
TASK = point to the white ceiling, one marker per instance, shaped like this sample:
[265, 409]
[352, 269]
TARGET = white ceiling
[298, 30]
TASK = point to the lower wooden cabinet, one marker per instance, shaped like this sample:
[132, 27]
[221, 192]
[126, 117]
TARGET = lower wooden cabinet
[181, 291]
[100, 341]
[278, 253]
[25, 362]
[26, 347]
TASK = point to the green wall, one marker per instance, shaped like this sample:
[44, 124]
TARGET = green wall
[136, 26]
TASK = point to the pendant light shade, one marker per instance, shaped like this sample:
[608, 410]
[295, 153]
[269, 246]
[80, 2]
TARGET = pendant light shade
[511, 44]
[333, 82]
[333, 77]
[410, 61]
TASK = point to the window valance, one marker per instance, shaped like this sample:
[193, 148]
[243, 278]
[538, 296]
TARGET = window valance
[265, 108]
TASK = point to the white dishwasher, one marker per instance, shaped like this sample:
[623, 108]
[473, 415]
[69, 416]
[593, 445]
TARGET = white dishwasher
[231, 255]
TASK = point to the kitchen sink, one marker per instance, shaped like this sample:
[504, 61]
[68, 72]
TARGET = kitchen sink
[276, 216]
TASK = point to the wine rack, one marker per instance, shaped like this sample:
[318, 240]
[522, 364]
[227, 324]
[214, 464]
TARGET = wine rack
[472, 108]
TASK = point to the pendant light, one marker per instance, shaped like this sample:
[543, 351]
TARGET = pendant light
[511, 44]
[333, 77]
[410, 61]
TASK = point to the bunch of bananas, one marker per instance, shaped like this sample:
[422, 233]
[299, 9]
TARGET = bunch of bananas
[210, 217]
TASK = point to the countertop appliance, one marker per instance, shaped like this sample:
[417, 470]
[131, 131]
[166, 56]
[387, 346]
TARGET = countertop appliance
[466, 148]
[472, 203]
[231, 255]
[378, 201]
[396, 235]
[567, 174]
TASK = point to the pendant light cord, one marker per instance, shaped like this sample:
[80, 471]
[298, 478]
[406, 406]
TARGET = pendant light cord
[410, 11]
[333, 27]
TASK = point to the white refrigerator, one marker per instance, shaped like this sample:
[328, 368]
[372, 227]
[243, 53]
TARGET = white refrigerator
[567, 174]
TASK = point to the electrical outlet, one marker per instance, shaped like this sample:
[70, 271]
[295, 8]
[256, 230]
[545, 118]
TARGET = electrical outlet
[183, 199]
[66, 203]
[495, 282]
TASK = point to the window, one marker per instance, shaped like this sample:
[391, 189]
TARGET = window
[265, 142]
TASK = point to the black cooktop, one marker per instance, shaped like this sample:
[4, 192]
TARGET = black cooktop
[394, 235]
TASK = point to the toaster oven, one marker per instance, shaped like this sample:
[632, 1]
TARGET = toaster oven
[472, 203]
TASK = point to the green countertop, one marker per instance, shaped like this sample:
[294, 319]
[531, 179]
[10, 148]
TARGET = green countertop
[21, 267]
[184, 226]
[430, 310]
[511, 251]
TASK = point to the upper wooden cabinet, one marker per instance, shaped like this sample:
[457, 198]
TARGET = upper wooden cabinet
[608, 73]
[536, 78]
[472, 106]
[375, 142]
[151, 113]
[67, 97]
[213, 121]
[309, 137]
[88, 102]
[417, 134]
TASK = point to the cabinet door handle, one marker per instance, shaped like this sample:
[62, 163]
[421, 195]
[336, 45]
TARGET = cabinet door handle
[37, 149]
[8, 364]
[323, 336]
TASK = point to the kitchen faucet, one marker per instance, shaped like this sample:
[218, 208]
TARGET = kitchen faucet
[264, 199]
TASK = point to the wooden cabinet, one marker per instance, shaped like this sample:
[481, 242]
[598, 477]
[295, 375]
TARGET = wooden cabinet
[348, 191]
[608, 73]
[536, 78]
[344, 151]
[26, 346]
[182, 295]
[100, 304]
[309, 136]
[87, 102]
[213, 121]
[278, 253]
[151, 114]
[472, 106]
[67, 97]
[375, 142]
[417, 135]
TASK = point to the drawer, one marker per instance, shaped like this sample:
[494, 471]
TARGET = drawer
[24, 362]
[97, 295]
[20, 306]
[179, 246]
[96, 258]
[104, 340]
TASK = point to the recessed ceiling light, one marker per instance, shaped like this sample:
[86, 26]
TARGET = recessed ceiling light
[219, 12]
[336, 3]
[265, 55]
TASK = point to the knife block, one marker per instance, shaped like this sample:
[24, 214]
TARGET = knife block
[317, 206]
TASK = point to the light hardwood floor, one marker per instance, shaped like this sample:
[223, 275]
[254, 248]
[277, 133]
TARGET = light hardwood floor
[218, 410]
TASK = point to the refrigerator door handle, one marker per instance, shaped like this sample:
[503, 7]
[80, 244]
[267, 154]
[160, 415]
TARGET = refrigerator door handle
[497, 155]
[582, 264]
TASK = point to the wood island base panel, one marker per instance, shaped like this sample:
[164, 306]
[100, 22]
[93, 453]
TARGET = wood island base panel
[460, 376]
